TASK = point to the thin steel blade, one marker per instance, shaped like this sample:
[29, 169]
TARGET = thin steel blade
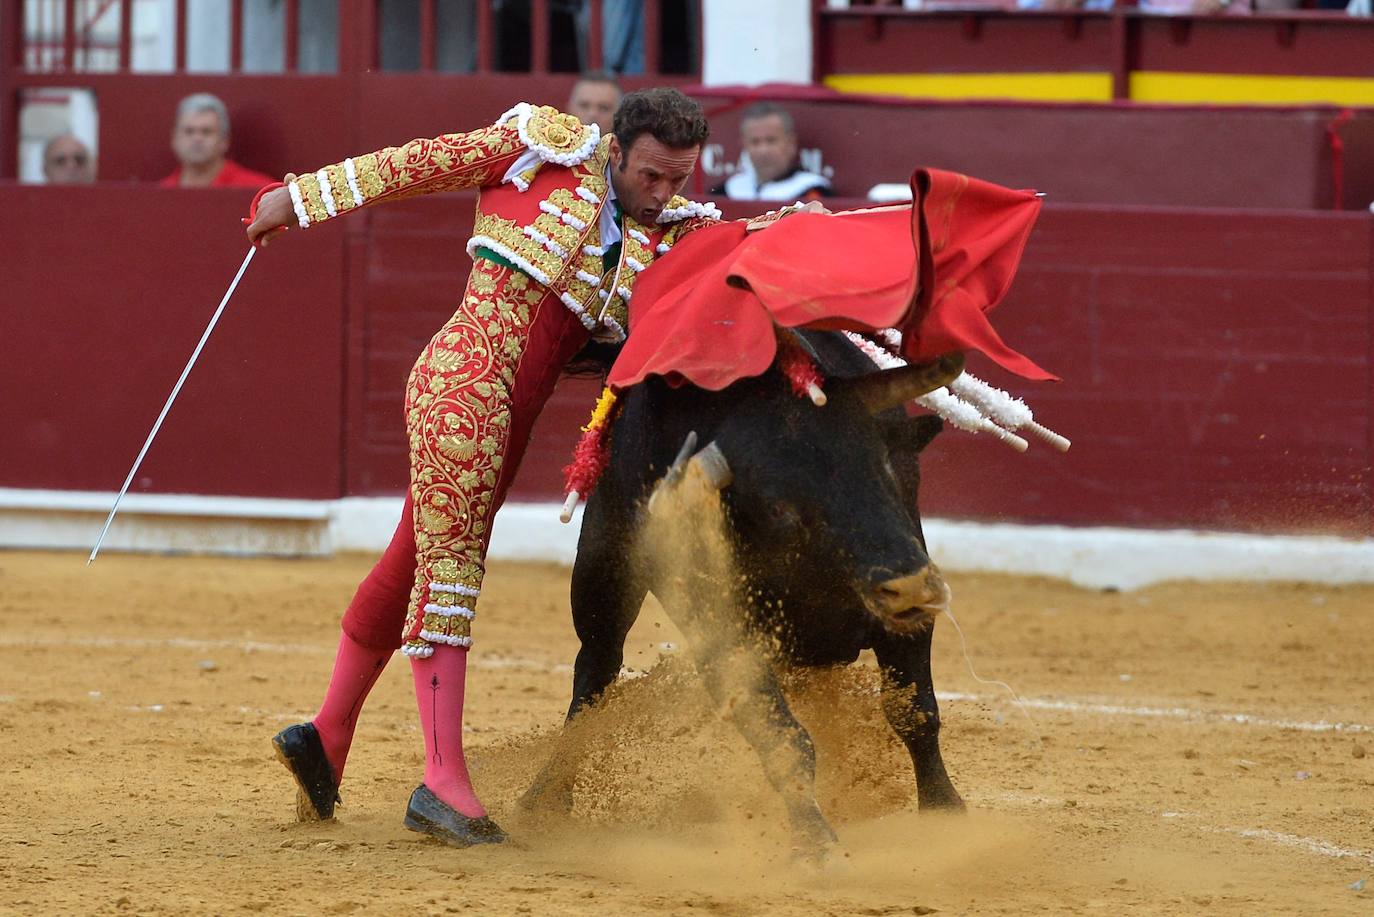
[176, 389]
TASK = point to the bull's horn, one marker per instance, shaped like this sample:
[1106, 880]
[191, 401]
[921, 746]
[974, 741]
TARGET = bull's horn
[675, 471]
[715, 467]
[689, 445]
[891, 388]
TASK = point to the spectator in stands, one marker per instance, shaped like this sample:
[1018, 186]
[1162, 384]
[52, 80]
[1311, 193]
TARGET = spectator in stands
[773, 172]
[200, 140]
[67, 161]
[622, 35]
[1216, 7]
[595, 97]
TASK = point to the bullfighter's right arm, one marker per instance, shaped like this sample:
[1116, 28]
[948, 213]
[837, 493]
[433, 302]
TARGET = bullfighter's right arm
[512, 149]
[450, 162]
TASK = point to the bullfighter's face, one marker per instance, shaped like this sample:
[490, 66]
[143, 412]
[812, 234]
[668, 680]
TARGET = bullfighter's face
[648, 174]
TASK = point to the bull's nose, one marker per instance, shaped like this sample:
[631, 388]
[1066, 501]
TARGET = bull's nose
[907, 601]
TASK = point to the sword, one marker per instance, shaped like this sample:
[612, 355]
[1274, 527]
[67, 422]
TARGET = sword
[176, 389]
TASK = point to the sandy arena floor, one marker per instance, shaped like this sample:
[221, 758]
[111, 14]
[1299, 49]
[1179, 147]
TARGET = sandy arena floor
[1188, 761]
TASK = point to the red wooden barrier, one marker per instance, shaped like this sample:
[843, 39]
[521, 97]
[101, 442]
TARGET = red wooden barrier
[106, 292]
[864, 40]
[1217, 363]
[1183, 156]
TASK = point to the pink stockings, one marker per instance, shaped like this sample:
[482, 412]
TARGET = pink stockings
[375, 616]
[356, 669]
[439, 689]
[440, 682]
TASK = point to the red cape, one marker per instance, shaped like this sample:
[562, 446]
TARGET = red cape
[706, 313]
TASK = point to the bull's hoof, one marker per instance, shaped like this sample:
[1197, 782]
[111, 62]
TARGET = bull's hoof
[546, 798]
[813, 840]
[940, 799]
[428, 814]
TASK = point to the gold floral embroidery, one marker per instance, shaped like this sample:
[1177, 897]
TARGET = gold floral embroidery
[510, 236]
[310, 194]
[369, 178]
[423, 166]
[454, 625]
[458, 418]
[445, 571]
[591, 172]
[560, 232]
[581, 210]
[338, 186]
[550, 128]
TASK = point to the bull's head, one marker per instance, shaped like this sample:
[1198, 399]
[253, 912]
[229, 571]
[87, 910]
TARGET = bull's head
[816, 492]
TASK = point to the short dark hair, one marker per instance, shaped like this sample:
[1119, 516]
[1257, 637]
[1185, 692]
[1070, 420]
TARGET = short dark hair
[599, 76]
[664, 114]
[760, 110]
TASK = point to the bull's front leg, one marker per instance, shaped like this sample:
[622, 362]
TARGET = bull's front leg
[741, 681]
[910, 707]
[606, 598]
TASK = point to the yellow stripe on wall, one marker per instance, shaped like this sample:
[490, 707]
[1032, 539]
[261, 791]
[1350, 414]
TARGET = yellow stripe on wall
[1146, 86]
[1250, 89]
[1042, 87]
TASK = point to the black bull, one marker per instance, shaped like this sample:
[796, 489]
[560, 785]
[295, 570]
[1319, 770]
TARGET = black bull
[820, 510]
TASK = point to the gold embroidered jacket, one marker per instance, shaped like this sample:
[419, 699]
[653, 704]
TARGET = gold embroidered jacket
[543, 176]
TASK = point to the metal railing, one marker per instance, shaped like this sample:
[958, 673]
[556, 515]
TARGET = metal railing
[96, 36]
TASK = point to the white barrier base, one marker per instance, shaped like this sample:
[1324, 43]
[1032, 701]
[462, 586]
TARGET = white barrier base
[1092, 557]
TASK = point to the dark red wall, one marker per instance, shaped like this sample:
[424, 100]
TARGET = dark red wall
[1088, 154]
[1217, 364]
[1217, 374]
[1148, 155]
[103, 296]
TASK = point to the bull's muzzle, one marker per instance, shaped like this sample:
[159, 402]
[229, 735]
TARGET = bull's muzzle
[905, 604]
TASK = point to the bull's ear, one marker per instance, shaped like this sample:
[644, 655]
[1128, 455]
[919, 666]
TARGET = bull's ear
[909, 435]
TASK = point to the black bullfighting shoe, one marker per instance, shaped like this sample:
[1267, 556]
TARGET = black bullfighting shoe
[317, 792]
[429, 814]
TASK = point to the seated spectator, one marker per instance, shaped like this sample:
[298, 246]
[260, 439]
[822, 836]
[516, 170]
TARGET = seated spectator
[1216, 7]
[67, 161]
[1064, 5]
[622, 35]
[773, 172]
[595, 97]
[200, 141]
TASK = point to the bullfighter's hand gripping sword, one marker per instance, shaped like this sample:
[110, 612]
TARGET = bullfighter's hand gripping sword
[176, 389]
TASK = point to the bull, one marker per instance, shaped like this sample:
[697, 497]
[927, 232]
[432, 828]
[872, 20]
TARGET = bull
[827, 559]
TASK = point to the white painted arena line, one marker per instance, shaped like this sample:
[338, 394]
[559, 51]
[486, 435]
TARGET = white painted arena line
[491, 662]
[1185, 714]
[1314, 845]
[507, 663]
[184, 643]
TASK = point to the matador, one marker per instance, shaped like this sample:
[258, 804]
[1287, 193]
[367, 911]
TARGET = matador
[566, 219]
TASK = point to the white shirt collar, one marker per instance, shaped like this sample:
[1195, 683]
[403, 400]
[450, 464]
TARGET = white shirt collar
[610, 231]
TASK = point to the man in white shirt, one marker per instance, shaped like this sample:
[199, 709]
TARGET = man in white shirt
[773, 172]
